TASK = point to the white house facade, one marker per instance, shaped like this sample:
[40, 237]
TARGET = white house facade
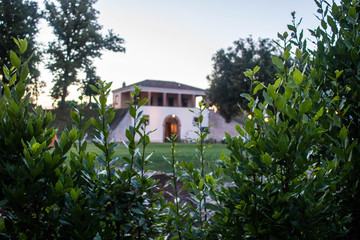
[168, 110]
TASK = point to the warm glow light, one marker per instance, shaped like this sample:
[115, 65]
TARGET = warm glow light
[250, 116]
[327, 111]
[266, 119]
[173, 116]
[336, 112]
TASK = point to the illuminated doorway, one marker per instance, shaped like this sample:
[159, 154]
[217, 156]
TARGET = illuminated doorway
[172, 126]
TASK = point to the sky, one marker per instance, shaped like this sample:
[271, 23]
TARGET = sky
[174, 40]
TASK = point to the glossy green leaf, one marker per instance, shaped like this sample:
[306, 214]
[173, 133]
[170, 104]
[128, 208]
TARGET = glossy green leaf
[277, 62]
[297, 76]
[319, 113]
[257, 88]
[343, 133]
[305, 106]
[352, 12]
[23, 45]
[15, 60]
[280, 102]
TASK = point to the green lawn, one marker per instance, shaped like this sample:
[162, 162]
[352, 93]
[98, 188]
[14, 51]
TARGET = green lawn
[185, 152]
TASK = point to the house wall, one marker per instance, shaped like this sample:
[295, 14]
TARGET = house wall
[157, 116]
[220, 126]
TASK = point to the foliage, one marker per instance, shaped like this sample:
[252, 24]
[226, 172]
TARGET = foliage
[19, 19]
[29, 170]
[291, 163]
[227, 76]
[79, 41]
[337, 62]
[175, 218]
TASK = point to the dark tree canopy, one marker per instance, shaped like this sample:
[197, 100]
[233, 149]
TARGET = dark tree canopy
[228, 81]
[19, 19]
[79, 41]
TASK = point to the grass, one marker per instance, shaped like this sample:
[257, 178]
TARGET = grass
[185, 153]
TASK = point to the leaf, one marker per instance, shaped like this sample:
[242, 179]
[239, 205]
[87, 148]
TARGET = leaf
[332, 24]
[352, 12]
[7, 91]
[291, 28]
[277, 62]
[319, 113]
[250, 144]
[323, 24]
[297, 76]
[288, 92]
[257, 88]
[239, 130]
[277, 83]
[305, 106]
[280, 102]
[256, 69]
[20, 90]
[343, 133]
[271, 92]
[335, 10]
[59, 187]
[132, 112]
[73, 194]
[15, 60]
[298, 53]
[23, 45]
[95, 89]
[287, 53]
[266, 159]
[24, 73]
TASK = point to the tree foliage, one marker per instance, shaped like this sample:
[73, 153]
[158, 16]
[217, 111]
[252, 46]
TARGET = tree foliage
[19, 19]
[227, 80]
[79, 41]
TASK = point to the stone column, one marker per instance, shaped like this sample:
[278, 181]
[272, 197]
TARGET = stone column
[179, 100]
[164, 99]
[149, 97]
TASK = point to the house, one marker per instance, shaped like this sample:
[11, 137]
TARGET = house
[168, 111]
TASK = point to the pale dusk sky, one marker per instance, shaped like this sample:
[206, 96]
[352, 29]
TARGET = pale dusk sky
[175, 40]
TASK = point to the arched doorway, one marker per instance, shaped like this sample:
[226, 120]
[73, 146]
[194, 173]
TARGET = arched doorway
[171, 126]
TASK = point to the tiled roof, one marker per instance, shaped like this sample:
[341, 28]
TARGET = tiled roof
[165, 84]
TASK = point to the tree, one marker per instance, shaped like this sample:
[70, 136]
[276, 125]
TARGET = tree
[91, 79]
[227, 80]
[79, 40]
[19, 19]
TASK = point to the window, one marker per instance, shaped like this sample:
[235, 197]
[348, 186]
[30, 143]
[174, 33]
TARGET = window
[117, 100]
[159, 101]
[184, 102]
[171, 102]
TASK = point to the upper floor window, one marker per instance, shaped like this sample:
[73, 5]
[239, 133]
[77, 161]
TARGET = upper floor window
[171, 102]
[184, 102]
